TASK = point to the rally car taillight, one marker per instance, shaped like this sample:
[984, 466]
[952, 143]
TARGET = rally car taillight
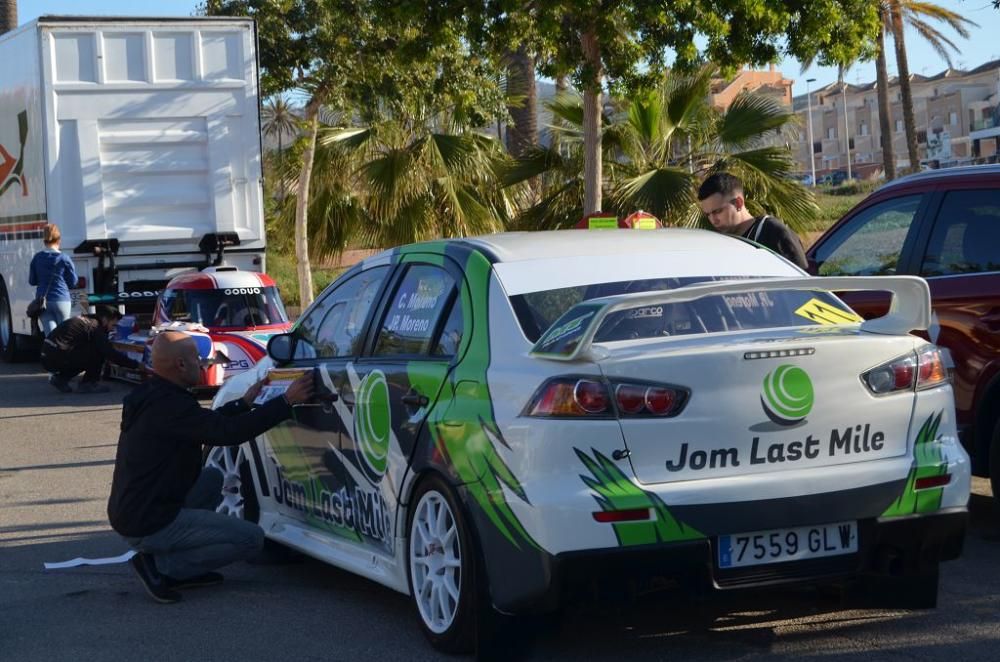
[914, 371]
[581, 397]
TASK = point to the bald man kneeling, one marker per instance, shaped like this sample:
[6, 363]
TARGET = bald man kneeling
[162, 500]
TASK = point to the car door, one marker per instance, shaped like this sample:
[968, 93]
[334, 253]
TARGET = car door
[874, 241]
[961, 262]
[313, 481]
[413, 346]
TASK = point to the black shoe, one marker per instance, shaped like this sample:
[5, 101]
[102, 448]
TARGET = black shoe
[61, 384]
[208, 579]
[155, 584]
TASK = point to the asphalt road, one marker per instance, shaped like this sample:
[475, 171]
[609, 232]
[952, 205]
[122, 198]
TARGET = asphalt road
[56, 460]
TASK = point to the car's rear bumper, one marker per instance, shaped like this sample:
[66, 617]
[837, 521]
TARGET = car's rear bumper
[899, 546]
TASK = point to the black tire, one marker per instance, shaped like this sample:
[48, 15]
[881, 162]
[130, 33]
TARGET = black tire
[9, 350]
[461, 634]
[995, 466]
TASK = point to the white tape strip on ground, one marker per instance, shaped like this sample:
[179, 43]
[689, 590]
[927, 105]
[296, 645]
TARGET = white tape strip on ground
[82, 561]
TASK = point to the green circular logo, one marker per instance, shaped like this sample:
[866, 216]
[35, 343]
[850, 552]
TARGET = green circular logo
[788, 395]
[372, 421]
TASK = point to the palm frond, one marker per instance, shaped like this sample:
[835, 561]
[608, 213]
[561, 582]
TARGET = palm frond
[748, 118]
[664, 192]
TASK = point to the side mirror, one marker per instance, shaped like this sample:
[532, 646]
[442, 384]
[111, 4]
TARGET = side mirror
[281, 348]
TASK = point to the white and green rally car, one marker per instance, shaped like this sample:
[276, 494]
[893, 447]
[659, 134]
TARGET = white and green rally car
[507, 415]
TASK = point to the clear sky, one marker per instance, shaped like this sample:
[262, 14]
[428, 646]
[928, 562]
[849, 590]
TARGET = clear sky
[980, 48]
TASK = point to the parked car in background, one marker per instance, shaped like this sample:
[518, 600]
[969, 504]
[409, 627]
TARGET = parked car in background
[506, 421]
[943, 225]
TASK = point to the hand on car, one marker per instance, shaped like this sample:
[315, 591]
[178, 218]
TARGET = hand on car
[301, 390]
[252, 393]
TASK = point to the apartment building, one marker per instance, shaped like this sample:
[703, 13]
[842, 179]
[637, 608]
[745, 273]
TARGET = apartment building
[770, 83]
[956, 115]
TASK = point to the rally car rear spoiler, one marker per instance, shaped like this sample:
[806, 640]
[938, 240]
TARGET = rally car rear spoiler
[572, 335]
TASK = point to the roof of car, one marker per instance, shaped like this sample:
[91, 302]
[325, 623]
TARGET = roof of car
[945, 173]
[519, 246]
[217, 279]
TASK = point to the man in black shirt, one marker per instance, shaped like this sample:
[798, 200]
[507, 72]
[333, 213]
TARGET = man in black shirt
[721, 199]
[162, 500]
[80, 344]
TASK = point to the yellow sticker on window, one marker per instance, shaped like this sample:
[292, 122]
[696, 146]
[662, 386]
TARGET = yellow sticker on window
[823, 313]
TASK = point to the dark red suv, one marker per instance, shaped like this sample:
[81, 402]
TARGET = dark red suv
[943, 225]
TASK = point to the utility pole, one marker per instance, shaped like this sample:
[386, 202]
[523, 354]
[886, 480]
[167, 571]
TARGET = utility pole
[847, 130]
[812, 151]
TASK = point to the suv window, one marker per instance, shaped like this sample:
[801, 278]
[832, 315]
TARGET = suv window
[870, 243]
[412, 318]
[966, 235]
[336, 327]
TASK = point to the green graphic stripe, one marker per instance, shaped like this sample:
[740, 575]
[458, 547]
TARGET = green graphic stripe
[614, 491]
[928, 461]
[295, 467]
[463, 424]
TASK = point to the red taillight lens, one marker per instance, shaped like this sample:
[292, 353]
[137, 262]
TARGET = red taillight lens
[571, 397]
[930, 482]
[660, 401]
[589, 398]
[931, 370]
[924, 369]
[630, 398]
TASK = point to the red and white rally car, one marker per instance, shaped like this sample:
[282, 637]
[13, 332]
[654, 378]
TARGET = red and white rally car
[230, 313]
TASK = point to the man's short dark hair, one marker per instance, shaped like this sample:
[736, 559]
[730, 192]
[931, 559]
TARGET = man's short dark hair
[105, 313]
[722, 183]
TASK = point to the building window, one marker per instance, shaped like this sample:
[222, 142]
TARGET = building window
[921, 137]
[863, 128]
[817, 147]
[953, 117]
[831, 133]
[899, 126]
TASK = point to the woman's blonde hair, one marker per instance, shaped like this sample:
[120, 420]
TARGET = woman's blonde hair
[51, 234]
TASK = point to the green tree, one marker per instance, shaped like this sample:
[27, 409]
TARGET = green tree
[911, 13]
[367, 59]
[398, 182]
[660, 146]
[622, 46]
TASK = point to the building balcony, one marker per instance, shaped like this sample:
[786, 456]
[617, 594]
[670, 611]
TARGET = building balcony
[985, 123]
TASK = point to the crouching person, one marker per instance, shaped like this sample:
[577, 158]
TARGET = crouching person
[162, 500]
[80, 344]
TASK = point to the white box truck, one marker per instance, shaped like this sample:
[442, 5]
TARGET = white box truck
[140, 139]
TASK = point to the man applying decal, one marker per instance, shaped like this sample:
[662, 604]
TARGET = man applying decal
[721, 199]
[162, 500]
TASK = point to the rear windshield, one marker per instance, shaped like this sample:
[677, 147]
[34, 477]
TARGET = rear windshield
[233, 308]
[537, 311]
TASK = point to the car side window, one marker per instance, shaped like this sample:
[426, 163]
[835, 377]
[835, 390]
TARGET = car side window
[451, 333]
[966, 235]
[418, 304]
[336, 326]
[870, 243]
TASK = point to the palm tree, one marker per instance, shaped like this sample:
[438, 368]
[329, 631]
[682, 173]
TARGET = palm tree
[278, 120]
[657, 150]
[522, 132]
[8, 15]
[882, 87]
[398, 182]
[915, 14]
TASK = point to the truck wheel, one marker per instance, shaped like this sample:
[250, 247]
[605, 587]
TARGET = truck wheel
[8, 339]
[443, 568]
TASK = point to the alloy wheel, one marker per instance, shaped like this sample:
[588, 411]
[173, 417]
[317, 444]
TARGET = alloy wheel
[435, 562]
[228, 460]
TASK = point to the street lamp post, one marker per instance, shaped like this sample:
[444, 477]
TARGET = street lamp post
[847, 130]
[812, 150]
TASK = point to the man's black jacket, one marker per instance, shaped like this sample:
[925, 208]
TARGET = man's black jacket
[159, 450]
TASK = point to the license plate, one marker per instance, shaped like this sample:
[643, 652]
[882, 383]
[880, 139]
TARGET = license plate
[780, 545]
